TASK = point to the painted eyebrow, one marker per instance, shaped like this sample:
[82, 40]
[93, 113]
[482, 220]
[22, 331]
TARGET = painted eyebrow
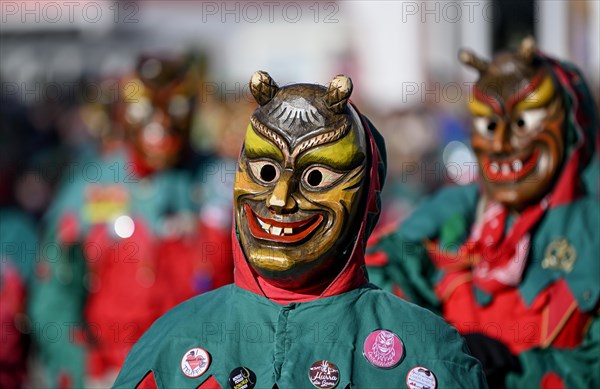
[257, 146]
[537, 96]
[338, 164]
[270, 135]
[488, 99]
[258, 153]
[335, 154]
[252, 152]
[479, 108]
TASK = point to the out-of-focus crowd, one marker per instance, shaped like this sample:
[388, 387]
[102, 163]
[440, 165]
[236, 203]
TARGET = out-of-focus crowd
[114, 209]
[117, 207]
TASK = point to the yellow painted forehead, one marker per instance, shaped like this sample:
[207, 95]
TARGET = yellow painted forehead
[341, 154]
[539, 97]
[479, 108]
[256, 146]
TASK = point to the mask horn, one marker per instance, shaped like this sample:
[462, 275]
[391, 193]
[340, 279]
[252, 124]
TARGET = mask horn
[338, 93]
[527, 49]
[470, 59]
[263, 87]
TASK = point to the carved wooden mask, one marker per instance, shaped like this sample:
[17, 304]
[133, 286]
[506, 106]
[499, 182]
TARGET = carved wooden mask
[300, 180]
[518, 125]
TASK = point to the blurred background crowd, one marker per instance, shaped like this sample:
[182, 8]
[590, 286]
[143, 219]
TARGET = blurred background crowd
[130, 114]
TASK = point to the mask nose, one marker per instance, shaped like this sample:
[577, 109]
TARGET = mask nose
[281, 200]
[501, 140]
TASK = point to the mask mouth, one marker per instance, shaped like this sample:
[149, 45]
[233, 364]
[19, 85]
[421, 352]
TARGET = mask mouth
[280, 231]
[510, 169]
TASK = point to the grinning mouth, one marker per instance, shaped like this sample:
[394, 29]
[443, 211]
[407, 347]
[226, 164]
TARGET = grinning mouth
[277, 231]
[509, 169]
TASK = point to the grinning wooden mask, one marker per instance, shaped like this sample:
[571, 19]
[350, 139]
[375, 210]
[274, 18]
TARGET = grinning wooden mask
[518, 125]
[300, 179]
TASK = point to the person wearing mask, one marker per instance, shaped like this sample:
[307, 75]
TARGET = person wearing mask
[301, 312]
[512, 261]
[119, 247]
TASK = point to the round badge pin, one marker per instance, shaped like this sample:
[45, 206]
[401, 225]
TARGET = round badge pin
[383, 349]
[195, 362]
[324, 374]
[421, 378]
[242, 378]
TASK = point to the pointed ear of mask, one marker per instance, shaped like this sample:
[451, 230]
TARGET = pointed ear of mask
[338, 93]
[263, 87]
[527, 49]
[470, 59]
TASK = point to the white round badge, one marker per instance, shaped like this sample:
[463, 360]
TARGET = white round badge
[195, 362]
[420, 378]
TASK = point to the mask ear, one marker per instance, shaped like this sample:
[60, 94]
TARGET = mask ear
[527, 49]
[470, 59]
[263, 87]
[338, 93]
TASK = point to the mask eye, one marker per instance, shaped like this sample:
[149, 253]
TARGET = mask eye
[319, 177]
[265, 172]
[485, 126]
[529, 121]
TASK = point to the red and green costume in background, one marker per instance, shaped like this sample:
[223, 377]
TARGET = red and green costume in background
[18, 244]
[305, 142]
[120, 246]
[530, 280]
[116, 255]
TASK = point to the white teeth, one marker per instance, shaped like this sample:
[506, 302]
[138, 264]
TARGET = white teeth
[517, 165]
[264, 225]
[506, 168]
[279, 231]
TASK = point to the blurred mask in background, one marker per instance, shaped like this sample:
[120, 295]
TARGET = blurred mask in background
[518, 125]
[155, 110]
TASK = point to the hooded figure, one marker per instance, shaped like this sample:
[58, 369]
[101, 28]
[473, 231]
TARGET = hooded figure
[301, 310]
[513, 262]
[123, 215]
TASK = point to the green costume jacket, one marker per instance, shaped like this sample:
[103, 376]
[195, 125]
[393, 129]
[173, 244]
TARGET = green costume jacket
[279, 343]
